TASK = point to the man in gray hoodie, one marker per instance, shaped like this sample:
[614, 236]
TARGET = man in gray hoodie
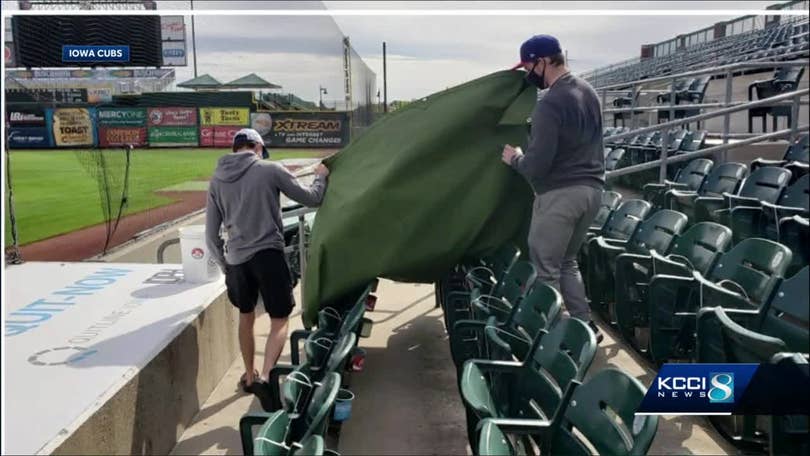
[243, 198]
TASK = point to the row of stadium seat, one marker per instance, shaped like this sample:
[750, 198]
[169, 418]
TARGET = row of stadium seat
[521, 367]
[774, 42]
[303, 395]
[681, 286]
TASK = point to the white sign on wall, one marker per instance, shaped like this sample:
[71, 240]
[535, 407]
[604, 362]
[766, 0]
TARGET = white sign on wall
[174, 53]
[76, 333]
[172, 28]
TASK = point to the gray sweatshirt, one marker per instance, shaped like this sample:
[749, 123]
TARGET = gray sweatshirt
[565, 147]
[244, 197]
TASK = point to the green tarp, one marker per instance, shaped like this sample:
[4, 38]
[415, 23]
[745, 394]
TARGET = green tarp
[421, 190]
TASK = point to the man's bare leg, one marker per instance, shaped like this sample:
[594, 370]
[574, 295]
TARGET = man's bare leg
[275, 344]
[247, 344]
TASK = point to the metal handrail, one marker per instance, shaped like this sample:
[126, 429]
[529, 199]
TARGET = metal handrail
[708, 115]
[712, 70]
[682, 107]
[701, 153]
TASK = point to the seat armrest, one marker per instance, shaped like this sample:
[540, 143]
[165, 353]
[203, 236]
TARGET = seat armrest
[496, 366]
[736, 200]
[781, 212]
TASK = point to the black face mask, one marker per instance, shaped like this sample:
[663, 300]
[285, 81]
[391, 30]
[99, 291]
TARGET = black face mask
[534, 79]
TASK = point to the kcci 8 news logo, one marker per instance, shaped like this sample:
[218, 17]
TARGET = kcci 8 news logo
[697, 389]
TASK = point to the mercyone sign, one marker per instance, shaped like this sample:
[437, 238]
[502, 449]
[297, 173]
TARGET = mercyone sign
[85, 328]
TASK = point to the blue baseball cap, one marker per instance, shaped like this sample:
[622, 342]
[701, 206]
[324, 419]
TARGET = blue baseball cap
[536, 47]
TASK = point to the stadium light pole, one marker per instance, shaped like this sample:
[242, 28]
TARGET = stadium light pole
[193, 40]
[385, 80]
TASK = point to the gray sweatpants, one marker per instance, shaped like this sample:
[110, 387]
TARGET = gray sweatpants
[560, 221]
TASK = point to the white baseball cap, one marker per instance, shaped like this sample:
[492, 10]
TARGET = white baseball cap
[249, 135]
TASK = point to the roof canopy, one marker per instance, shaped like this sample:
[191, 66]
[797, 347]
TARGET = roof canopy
[251, 81]
[202, 82]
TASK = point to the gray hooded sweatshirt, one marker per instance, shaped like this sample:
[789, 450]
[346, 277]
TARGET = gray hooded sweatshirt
[244, 197]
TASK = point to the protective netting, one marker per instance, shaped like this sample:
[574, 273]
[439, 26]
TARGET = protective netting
[111, 169]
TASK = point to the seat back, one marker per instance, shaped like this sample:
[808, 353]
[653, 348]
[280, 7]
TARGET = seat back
[724, 178]
[657, 232]
[538, 310]
[800, 150]
[271, 438]
[694, 173]
[311, 446]
[610, 200]
[503, 259]
[603, 410]
[794, 232]
[788, 314]
[677, 137]
[493, 442]
[699, 86]
[701, 245]
[516, 282]
[613, 158]
[340, 351]
[556, 358]
[625, 219]
[322, 400]
[697, 142]
[766, 184]
[798, 194]
[788, 74]
[755, 265]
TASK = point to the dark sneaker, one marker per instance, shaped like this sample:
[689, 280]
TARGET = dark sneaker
[596, 331]
[261, 390]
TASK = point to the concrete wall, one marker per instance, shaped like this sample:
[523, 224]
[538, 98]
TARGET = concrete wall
[150, 413]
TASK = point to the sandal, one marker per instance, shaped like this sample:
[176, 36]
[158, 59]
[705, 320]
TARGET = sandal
[243, 381]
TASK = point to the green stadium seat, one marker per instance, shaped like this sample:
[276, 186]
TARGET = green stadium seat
[324, 356]
[280, 430]
[479, 339]
[688, 179]
[794, 232]
[508, 293]
[763, 185]
[697, 249]
[610, 201]
[657, 232]
[482, 277]
[796, 158]
[532, 388]
[620, 226]
[789, 434]
[763, 221]
[599, 414]
[724, 178]
[751, 269]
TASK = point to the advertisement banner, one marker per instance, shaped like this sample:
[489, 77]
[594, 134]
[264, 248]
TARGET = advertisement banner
[173, 136]
[217, 136]
[9, 56]
[174, 53]
[172, 28]
[302, 129]
[28, 137]
[174, 117]
[121, 136]
[99, 95]
[225, 117]
[27, 117]
[72, 126]
[122, 117]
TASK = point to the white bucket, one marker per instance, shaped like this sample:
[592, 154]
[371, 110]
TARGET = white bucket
[198, 263]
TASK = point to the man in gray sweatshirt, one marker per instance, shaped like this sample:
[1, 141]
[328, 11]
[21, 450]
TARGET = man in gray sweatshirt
[243, 198]
[564, 163]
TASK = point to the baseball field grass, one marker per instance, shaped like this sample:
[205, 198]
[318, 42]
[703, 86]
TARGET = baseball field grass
[54, 193]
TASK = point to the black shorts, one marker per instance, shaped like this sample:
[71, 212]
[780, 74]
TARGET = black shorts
[266, 273]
